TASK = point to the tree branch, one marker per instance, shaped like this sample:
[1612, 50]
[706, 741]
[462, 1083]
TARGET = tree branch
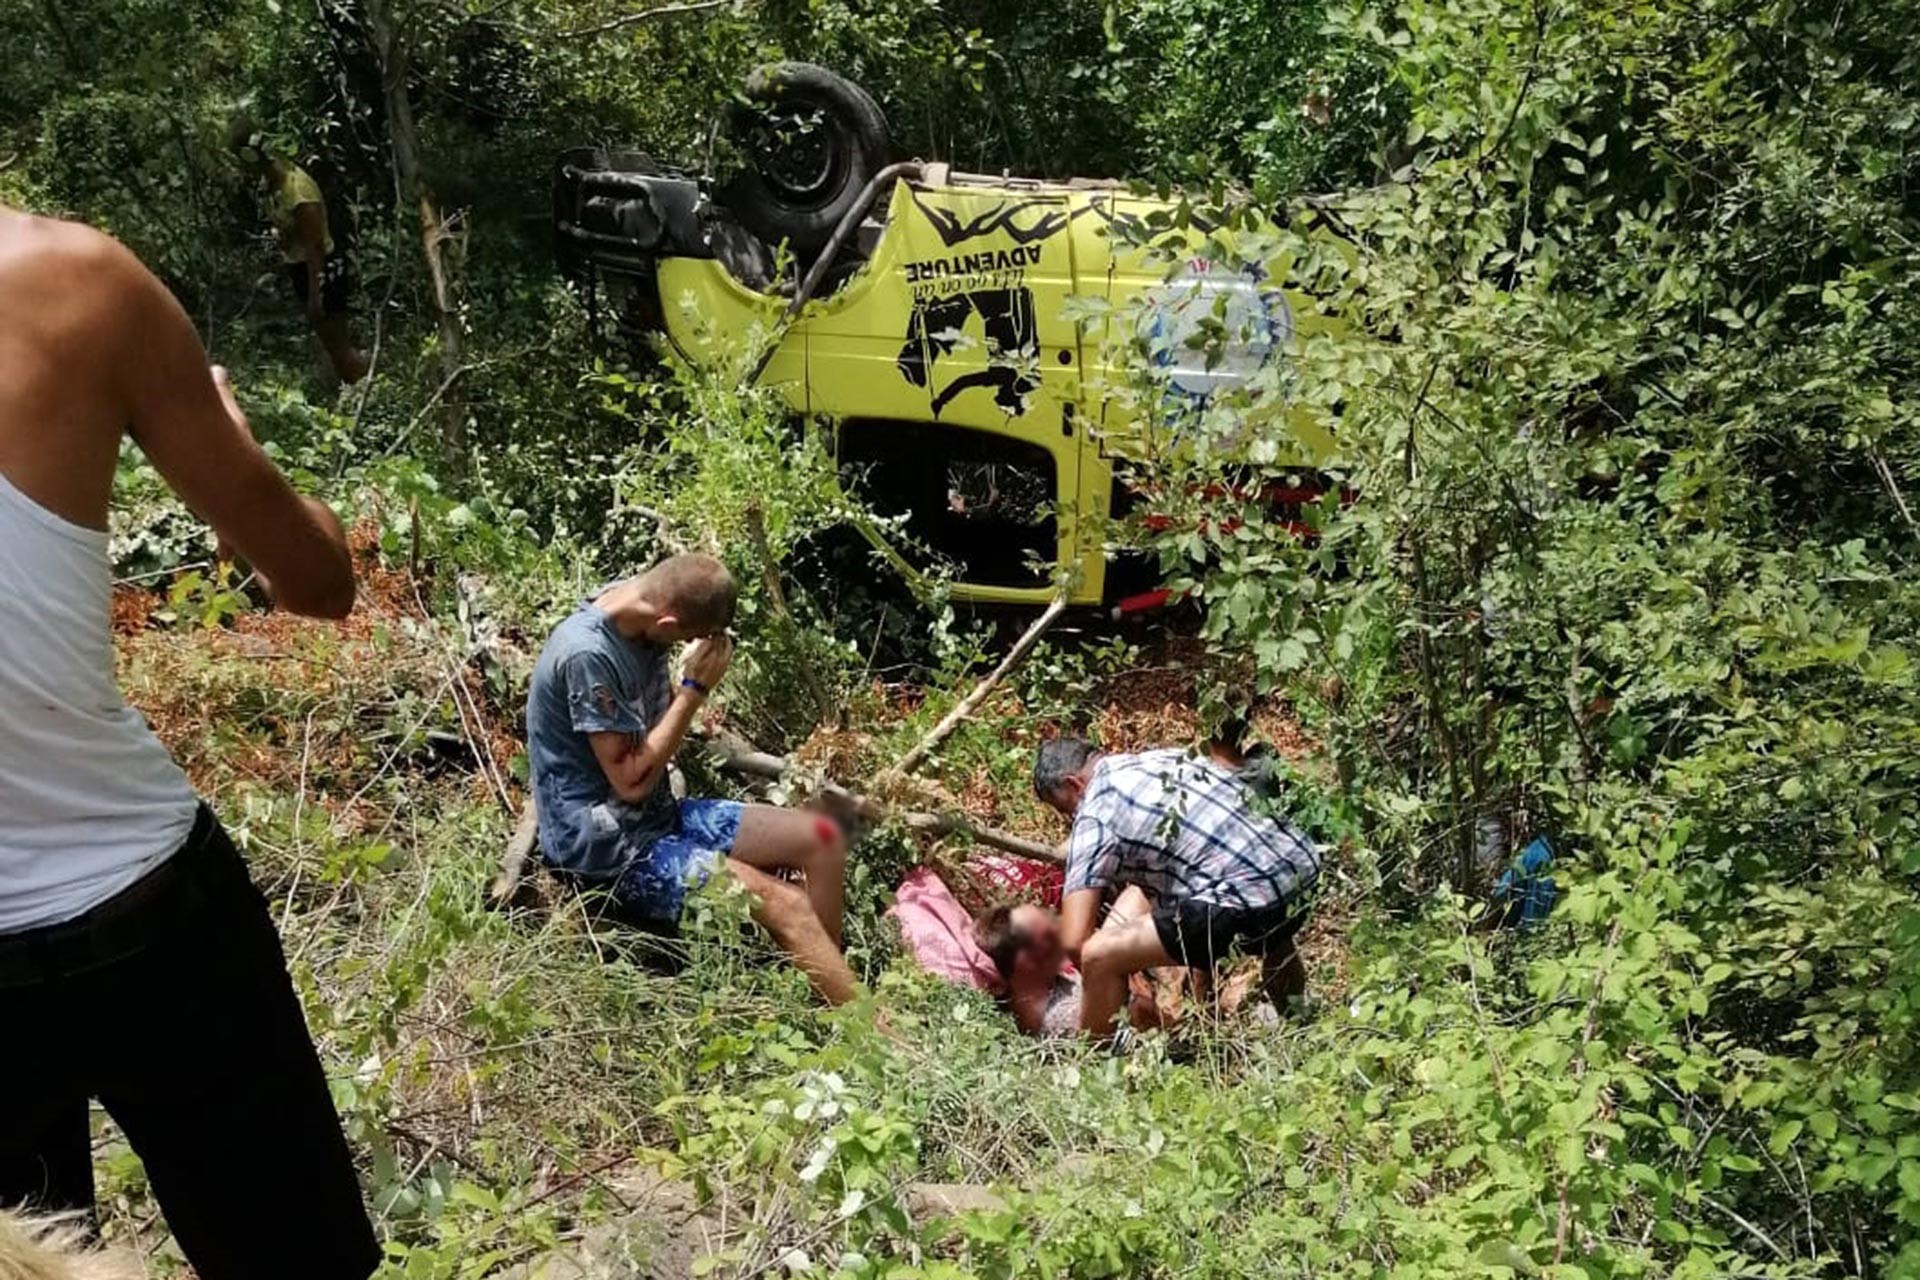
[634, 19]
[513, 862]
[825, 704]
[735, 754]
[971, 703]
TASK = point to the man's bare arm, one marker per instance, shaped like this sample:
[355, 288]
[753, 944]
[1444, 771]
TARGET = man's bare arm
[635, 768]
[1079, 916]
[194, 433]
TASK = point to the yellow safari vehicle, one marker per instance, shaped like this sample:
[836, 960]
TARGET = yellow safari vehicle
[932, 330]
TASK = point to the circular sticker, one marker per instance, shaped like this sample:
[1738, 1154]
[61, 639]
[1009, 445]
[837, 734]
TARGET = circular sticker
[1244, 323]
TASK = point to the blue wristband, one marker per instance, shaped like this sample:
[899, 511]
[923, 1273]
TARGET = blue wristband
[688, 682]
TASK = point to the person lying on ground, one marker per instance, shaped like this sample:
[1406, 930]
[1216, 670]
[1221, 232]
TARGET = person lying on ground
[138, 963]
[605, 719]
[1024, 943]
[321, 277]
[1189, 833]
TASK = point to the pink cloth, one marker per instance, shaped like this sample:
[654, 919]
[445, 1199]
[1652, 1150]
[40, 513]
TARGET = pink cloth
[939, 932]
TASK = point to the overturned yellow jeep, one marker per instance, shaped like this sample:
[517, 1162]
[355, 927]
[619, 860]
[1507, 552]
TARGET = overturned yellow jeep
[929, 324]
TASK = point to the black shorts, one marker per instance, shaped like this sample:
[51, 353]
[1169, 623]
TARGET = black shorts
[1199, 934]
[171, 1004]
[336, 284]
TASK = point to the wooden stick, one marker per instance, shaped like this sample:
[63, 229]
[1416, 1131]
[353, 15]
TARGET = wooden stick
[971, 703]
[645, 15]
[513, 863]
[734, 753]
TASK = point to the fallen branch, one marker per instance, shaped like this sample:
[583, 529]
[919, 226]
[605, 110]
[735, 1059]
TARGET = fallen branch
[644, 15]
[513, 863]
[736, 755]
[971, 703]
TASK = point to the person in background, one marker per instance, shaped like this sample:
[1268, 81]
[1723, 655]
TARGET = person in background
[139, 965]
[1190, 834]
[320, 276]
[1524, 895]
[605, 719]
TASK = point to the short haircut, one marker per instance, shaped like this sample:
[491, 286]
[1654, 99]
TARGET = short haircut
[1057, 760]
[696, 589]
[1000, 938]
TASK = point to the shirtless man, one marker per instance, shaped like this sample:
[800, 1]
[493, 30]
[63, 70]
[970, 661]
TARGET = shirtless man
[138, 963]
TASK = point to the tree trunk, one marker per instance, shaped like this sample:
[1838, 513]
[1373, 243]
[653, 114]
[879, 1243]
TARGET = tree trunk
[76, 60]
[436, 239]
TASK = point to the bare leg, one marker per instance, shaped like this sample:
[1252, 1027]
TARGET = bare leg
[1132, 904]
[1106, 961]
[349, 362]
[784, 912]
[1143, 1003]
[773, 839]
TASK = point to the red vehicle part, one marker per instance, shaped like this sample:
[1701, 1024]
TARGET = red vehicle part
[1288, 500]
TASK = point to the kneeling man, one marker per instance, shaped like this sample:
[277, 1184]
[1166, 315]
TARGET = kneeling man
[604, 719]
[1189, 832]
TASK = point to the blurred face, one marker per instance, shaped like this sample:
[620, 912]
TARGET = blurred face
[1040, 953]
[251, 153]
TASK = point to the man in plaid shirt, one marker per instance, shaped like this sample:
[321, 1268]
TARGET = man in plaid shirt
[1188, 831]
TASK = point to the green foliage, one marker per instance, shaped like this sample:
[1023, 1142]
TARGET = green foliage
[1620, 387]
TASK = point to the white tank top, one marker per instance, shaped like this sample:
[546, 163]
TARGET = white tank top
[89, 799]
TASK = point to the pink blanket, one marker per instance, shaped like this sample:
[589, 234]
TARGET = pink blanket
[939, 932]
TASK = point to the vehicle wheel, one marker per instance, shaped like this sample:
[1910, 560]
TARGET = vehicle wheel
[813, 141]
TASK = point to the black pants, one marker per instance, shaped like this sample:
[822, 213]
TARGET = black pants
[1199, 934]
[171, 1004]
[336, 284]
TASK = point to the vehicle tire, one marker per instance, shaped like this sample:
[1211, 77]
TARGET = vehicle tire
[813, 141]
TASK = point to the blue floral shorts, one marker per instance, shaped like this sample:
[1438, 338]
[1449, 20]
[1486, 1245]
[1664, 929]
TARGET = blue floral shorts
[653, 888]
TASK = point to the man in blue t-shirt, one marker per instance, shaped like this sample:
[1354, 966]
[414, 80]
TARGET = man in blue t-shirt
[604, 719]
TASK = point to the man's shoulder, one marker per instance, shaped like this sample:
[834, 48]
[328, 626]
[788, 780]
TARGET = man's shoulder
[584, 635]
[69, 257]
[1130, 767]
[75, 304]
[575, 635]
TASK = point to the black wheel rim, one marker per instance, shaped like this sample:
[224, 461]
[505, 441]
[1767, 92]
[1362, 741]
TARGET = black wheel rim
[797, 152]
